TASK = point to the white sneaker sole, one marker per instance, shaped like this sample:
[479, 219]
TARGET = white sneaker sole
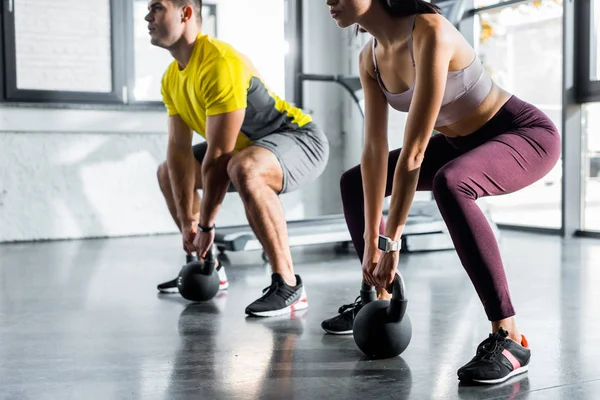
[339, 332]
[222, 286]
[507, 377]
[300, 304]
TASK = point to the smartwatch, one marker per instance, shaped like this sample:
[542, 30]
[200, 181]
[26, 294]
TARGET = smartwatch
[387, 245]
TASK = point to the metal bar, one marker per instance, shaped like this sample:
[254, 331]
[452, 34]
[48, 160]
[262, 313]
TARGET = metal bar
[299, 65]
[571, 127]
[587, 234]
[529, 229]
[508, 3]
[2, 38]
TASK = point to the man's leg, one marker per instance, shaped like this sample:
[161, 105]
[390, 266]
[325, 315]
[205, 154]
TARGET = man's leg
[279, 163]
[258, 177]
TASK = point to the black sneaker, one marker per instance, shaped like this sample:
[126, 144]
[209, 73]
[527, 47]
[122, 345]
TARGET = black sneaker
[342, 324]
[497, 359]
[279, 298]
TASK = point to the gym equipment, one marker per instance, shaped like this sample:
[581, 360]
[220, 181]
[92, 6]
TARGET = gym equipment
[382, 329]
[425, 229]
[199, 280]
[453, 10]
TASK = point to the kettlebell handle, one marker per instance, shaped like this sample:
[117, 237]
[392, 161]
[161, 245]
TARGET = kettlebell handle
[367, 293]
[210, 261]
[210, 254]
[397, 288]
[398, 302]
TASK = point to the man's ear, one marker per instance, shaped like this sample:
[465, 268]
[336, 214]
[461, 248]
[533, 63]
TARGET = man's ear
[187, 13]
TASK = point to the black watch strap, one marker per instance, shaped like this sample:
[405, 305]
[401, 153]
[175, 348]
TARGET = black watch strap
[206, 228]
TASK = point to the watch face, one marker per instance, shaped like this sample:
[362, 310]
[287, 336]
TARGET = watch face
[382, 243]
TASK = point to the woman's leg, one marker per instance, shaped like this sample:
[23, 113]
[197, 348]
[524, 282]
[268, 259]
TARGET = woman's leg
[504, 164]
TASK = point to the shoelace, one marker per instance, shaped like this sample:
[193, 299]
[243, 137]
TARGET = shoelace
[270, 289]
[494, 346]
[357, 302]
[273, 289]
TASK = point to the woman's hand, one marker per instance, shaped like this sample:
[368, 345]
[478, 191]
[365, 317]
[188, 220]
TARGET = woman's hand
[370, 260]
[385, 270]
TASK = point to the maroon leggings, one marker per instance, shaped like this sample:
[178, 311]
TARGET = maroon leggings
[516, 148]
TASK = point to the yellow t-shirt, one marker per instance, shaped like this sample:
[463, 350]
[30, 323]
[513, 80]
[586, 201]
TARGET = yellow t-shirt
[218, 79]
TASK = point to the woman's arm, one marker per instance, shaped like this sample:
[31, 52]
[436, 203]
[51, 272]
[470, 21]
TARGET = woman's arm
[374, 159]
[432, 58]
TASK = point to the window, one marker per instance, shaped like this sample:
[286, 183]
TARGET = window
[591, 167]
[63, 50]
[521, 47]
[73, 51]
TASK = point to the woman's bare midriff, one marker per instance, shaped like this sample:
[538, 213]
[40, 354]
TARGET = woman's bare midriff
[478, 117]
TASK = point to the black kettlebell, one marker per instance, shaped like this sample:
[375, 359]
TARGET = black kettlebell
[199, 280]
[382, 329]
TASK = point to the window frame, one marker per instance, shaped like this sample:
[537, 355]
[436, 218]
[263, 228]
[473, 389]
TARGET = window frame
[2, 51]
[122, 65]
[587, 90]
[13, 93]
[293, 21]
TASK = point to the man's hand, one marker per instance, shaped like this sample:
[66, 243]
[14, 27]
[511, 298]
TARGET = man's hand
[188, 233]
[203, 241]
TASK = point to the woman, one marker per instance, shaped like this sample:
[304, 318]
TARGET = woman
[490, 143]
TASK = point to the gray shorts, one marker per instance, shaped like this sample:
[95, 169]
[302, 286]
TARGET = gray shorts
[302, 153]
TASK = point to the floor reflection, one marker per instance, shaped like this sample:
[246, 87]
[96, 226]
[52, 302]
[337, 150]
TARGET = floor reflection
[83, 320]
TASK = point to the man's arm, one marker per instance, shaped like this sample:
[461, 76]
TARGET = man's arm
[221, 134]
[180, 161]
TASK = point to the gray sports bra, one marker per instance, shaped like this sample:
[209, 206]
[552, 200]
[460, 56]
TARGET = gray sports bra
[465, 89]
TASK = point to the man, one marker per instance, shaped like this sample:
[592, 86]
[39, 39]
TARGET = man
[254, 140]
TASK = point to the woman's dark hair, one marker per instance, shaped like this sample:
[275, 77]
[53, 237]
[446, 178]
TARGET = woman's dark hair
[401, 8]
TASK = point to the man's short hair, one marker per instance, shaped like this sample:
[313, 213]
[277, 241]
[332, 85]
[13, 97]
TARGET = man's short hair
[196, 4]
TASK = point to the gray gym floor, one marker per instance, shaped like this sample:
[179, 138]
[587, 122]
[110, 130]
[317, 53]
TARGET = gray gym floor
[82, 320]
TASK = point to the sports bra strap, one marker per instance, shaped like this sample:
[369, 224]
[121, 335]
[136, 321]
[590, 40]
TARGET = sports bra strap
[373, 42]
[410, 38]
[410, 43]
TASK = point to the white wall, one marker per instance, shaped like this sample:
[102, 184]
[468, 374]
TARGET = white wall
[77, 173]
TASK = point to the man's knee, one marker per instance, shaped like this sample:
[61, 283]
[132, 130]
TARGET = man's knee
[243, 172]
